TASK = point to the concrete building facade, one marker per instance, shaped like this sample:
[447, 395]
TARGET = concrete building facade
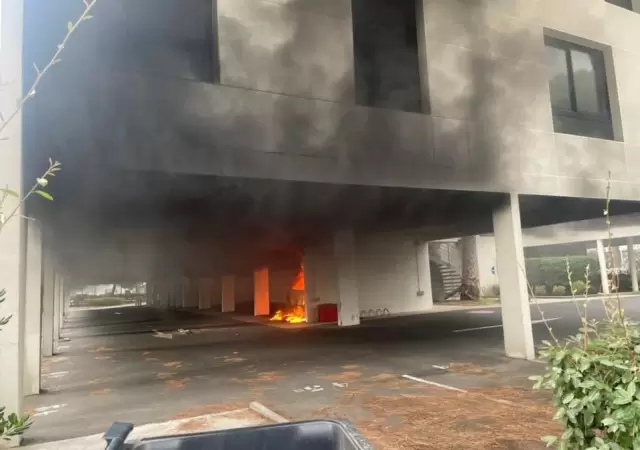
[210, 144]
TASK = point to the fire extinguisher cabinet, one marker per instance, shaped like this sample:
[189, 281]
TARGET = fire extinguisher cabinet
[327, 312]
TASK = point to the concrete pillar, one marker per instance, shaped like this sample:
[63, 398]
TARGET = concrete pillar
[66, 302]
[423, 276]
[57, 307]
[48, 297]
[184, 289]
[228, 293]
[347, 282]
[602, 262]
[33, 307]
[261, 292]
[12, 232]
[514, 295]
[205, 293]
[633, 270]
[308, 261]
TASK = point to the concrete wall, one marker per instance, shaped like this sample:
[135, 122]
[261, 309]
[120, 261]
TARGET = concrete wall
[388, 273]
[321, 283]
[283, 107]
[487, 269]
[244, 290]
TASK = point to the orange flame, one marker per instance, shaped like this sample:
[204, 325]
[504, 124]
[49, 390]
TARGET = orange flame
[297, 313]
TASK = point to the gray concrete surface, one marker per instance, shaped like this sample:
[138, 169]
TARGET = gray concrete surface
[97, 378]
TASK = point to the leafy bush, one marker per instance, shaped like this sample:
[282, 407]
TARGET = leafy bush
[594, 377]
[579, 287]
[559, 290]
[539, 291]
[595, 383]
[12, 425]
[552, 271]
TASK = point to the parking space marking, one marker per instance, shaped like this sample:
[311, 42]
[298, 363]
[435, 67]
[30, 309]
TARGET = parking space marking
[433, 383]
[533, 322]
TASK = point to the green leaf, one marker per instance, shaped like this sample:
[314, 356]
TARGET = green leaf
[560, 413]
[550, 440]
[567, 398]
[608, 421]
[631, 389]
[588, 418]
[69, 27]
[44, 194]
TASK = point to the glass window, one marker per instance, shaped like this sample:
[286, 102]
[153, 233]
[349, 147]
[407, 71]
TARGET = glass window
[578, 87]
[558, 78]
[626, 4]
[586, 83]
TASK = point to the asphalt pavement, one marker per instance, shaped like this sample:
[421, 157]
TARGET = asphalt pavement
[115, 367]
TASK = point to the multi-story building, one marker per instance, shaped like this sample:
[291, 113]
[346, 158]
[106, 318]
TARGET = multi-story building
[210, 138]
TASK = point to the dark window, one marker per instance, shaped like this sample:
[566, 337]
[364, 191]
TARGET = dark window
[386, 54]
[626, 4]
[578, 85]
[167, 38]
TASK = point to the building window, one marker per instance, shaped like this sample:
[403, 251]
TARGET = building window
[578, 85]
[387, 66]
[626, 4]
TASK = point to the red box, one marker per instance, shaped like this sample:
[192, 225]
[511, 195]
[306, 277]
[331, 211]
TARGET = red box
[328, 312]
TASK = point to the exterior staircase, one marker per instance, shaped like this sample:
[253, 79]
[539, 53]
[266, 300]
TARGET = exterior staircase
[446, 276]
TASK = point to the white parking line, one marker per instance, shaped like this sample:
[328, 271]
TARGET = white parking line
[463, 391]
[533, 322]
[433, 383]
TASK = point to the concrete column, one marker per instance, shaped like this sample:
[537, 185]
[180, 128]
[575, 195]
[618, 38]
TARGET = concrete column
[66, 302]
[261, 292]
[57, 308]
[184, 289]
[48, 297]
[514, 296]
[423, 268]
[633, 270]
[63, 290]
[12, 232]
[228, 293]
[205, 293]
[310, 286]
[33, 307]
[602, 262]
[348, 304]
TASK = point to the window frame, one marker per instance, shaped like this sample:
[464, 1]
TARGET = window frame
[602, 91]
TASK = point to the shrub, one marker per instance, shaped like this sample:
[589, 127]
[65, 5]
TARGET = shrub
[595, 383]
[539, 291]
[594, 377]
[579, 287]
[559, 290]
[552, 271]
